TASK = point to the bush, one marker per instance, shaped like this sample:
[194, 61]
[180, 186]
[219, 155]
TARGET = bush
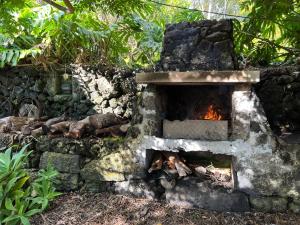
[19, 198]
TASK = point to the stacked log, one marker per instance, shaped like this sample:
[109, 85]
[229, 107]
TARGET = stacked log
[97, 124]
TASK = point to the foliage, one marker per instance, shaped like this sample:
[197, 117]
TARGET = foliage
[271, 33]
[130, 33]
[19, 199]
[121, 32]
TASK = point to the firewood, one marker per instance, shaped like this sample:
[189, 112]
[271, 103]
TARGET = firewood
[182, 169]
[157, 162]
[174, 161]
[13, 123]
[55, 120]
[99, 121]
[76, 130]
[114, 131]
[27, 129]
[61, 127]
[37, 132]
[200, 171]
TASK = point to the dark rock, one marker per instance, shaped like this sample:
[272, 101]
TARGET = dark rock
[191, 192]
[189, 46]
[67, 182]
[217, 36]
[285, 79]
[268, 204]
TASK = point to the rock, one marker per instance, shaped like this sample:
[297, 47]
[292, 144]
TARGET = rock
[67, 182]
[191, 192]
[217, 36]
[105, 87]
[113, 103]
[61, 162]
[268, 204]
[285, 79]
[167, 183]
[96, 97]
[138, 188]
[119, 111]
[294, 207]
[190, 46]
[62, 98]
[112, 167]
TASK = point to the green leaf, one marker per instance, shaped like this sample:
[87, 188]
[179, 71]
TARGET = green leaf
[9, 205]
[24, 220]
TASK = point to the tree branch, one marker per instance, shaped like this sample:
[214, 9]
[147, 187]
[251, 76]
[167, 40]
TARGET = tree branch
[69, 9]
[69, 6]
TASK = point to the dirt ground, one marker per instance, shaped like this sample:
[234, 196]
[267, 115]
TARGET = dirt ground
[106, 208]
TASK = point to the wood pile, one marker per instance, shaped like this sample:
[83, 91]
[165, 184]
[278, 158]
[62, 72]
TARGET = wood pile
[174, 167]
[98, 124]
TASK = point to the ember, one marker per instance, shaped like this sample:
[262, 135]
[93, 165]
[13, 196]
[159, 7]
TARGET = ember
[212, 114]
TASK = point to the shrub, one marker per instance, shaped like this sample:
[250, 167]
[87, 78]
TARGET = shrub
[19, 198]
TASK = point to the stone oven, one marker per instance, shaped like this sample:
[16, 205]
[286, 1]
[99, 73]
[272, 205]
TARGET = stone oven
[201, 115]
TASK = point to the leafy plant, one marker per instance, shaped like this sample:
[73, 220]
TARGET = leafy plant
[270, 33]
[126, 33]
[19, 199]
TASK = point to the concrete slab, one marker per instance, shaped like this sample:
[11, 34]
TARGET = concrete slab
[213, 130]
[198, 77]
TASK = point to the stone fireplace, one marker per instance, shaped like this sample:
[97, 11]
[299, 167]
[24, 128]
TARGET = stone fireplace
[197, 109]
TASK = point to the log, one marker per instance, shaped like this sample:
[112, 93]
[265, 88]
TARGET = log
[76, 130]
[27, 129]
[114, 131]
[14, 123]
[61, 127]
[37, 132]
[200, 171]
[99, 121]
[55, 120]
[174, 162]
[157, 162]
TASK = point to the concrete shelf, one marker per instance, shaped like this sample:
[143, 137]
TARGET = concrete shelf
[199, 77]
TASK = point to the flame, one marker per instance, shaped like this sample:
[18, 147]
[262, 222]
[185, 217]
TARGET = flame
[212, 114]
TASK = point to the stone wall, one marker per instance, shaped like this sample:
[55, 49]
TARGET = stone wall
[77, 91]
[270, 179]
[279, 91]
[201, 45]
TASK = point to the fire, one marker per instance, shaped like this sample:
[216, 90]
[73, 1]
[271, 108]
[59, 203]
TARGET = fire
[212, 114]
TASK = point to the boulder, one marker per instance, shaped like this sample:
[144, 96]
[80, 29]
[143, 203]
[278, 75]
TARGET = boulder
[61, 162]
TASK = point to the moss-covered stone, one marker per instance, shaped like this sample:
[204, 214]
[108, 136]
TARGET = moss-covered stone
[67, 182]
[61, 162]
[112, 167]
